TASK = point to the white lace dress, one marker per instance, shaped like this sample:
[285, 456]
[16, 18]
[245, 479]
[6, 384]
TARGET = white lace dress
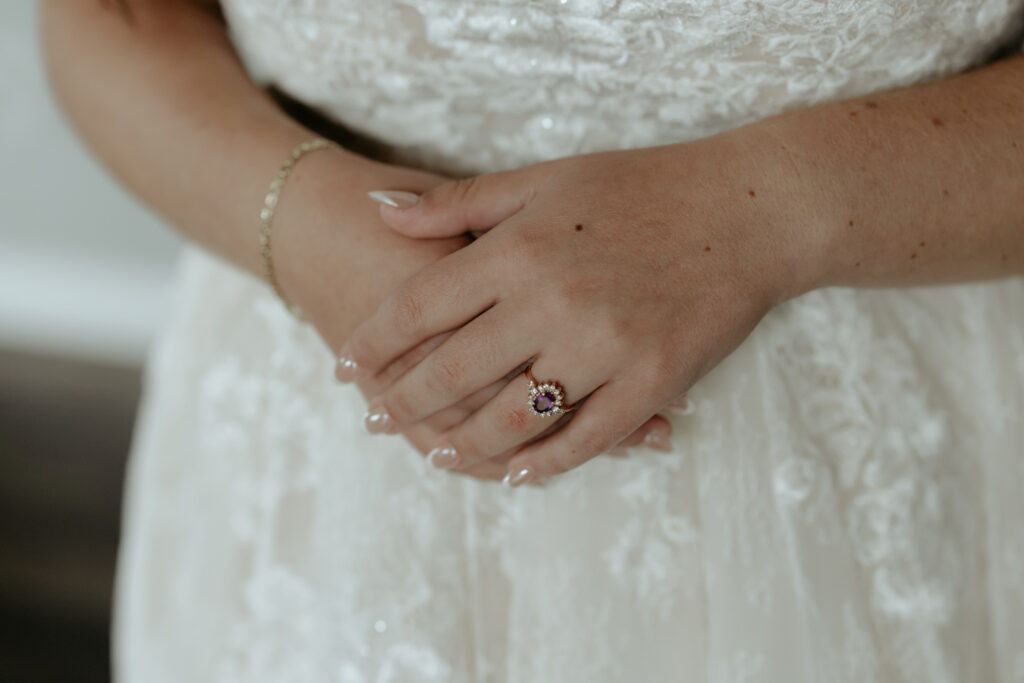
[843, 504]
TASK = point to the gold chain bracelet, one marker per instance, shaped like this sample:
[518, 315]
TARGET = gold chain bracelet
[267, 213]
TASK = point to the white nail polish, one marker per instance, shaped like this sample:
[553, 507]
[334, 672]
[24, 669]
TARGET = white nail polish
[378, 422]
[658, 441]
[443, 457]
[682, 406]
[346, 369]
[516, 478]
[395, 198]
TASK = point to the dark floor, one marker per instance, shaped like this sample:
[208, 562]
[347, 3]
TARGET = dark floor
[65, 428]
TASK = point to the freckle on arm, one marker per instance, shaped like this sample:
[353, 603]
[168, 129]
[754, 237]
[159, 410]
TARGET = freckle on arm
[751, 193]
[707, 248]
[579, 227]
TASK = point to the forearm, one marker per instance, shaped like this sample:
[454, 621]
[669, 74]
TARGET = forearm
[920, 185]
[165, 103]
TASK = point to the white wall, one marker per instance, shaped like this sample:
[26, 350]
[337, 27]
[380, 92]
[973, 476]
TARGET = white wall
[83, 266]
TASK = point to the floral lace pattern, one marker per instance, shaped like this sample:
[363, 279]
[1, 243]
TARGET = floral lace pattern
[842, 502]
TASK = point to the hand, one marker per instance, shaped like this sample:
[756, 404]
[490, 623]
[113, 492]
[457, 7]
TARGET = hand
[337, 261]
[339, 270]
[626, 276]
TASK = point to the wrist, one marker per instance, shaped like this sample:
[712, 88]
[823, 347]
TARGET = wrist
[785, 202]
[334, 257]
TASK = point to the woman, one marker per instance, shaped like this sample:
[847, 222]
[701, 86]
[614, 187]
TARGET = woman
[771, 215]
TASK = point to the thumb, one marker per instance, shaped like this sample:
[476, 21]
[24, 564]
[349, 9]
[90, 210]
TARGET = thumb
[477, 203]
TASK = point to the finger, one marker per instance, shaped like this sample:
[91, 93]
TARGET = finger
[484, 469]
[655, 434]
[452, 208]
[681, 405]
[474, 356]
[503, 423]
[372, 386]
[448, 418]
[443, 296]
[599, 424]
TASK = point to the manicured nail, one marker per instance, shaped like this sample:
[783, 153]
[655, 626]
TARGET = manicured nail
[378, 421]
[346, 369]
[516, 478]
[395, 198]
[681, 406]
[658, 440]
[443, 457]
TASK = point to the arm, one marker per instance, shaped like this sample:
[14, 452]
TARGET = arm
[914, 186]
[161, 97]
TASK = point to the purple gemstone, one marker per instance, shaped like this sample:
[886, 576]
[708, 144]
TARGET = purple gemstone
[544, 402]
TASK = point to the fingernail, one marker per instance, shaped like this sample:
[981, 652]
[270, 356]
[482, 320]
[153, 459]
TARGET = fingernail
[378, 421]
[443, 457]
[657, 440]
[681, 406]
[516, 478]
[395, 198]
[346, 369]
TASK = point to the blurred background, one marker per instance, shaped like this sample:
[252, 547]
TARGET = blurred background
[83, 281]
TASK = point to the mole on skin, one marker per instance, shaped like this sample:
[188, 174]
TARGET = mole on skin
[751, 193]
[937, 122]
[707, 248]
[579, 226]
[871, 105]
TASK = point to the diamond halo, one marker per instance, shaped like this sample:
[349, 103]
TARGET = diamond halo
[546, 398]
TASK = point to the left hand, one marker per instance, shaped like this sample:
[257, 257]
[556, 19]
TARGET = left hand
[625, 276]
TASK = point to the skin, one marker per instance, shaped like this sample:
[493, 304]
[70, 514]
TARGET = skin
[158, 92]
[656, 263]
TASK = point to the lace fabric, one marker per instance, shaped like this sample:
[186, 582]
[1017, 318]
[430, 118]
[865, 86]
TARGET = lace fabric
[842, 503]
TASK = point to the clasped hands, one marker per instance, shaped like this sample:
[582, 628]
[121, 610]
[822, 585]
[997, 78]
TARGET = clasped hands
[625, 276]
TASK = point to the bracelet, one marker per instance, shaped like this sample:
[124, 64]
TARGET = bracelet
[267, 213]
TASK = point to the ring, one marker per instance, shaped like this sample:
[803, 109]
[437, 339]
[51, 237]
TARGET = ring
[546, 398]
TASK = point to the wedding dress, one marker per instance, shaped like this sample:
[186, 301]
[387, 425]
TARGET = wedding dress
[843, 502]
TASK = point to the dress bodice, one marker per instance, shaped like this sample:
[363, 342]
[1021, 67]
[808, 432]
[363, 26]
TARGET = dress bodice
[469, 87]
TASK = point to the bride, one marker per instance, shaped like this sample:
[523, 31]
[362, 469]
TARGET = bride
[728, 295]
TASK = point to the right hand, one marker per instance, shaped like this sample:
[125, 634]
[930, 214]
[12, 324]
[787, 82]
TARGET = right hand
[337, 260]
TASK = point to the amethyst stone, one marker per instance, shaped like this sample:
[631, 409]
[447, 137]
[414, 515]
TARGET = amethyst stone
[544, 402]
